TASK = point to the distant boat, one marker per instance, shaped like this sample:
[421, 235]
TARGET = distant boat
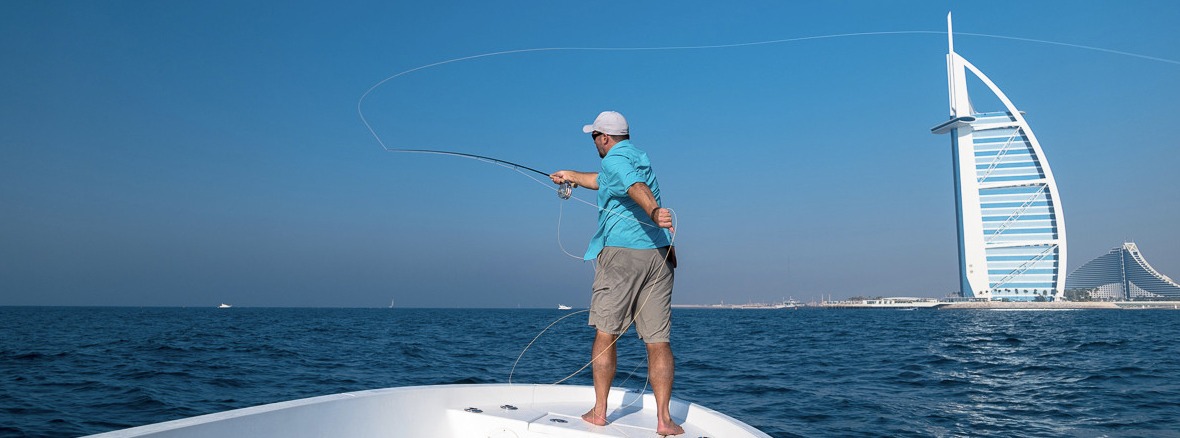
[563, 307]
[224, 306]
[390, 304]
[785, 304]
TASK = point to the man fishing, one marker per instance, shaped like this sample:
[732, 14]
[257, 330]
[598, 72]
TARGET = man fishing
[634, 272]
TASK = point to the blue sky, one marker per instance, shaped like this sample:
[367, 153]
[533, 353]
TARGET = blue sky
[192, 153]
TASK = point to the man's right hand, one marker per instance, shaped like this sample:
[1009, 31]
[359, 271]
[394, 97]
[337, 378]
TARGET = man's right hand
[562, 176]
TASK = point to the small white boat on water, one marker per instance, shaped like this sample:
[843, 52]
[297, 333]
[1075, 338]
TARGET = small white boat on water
[224, 306]
[445, 411]
[563, 307]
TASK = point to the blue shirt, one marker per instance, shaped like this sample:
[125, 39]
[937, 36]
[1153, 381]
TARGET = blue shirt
[621, 221]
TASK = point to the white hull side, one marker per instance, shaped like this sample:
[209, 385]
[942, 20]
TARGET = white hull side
[442, 411]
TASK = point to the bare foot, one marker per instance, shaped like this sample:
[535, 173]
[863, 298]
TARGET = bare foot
[665, 428]
[596, 419]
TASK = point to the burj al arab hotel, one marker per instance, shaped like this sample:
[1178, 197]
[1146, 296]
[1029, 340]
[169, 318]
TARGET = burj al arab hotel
[1010, 225]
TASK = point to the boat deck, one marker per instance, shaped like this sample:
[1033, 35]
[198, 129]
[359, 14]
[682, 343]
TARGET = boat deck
[490, 410]
[559, 419]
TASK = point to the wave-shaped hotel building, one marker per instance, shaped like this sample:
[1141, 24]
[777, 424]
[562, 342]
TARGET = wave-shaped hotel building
[1122, 274]
[1010, 225]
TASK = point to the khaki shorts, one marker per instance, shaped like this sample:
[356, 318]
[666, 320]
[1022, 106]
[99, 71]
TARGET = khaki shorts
[633, 285]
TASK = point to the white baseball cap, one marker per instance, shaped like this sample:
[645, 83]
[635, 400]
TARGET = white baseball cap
[609, 123]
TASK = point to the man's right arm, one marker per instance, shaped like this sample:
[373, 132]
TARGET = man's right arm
[580, 179]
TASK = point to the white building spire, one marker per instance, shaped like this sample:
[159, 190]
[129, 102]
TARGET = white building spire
[950, 36]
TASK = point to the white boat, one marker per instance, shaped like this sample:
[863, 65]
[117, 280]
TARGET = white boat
[785, 304]
[563, 307]
[445, 411]
[224, 306]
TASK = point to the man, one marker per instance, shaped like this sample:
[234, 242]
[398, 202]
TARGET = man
[634, 273]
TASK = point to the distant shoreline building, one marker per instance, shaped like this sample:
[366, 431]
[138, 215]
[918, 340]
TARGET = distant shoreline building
[1011, 228]
[1122, 274]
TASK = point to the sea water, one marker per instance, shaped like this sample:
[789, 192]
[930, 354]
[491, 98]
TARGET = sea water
[807, 372]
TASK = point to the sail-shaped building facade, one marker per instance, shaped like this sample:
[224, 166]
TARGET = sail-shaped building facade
[1010, 225]
[1123, 274]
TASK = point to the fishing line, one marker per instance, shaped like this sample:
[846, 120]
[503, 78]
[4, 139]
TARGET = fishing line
[560, 244]
[360, 102]
[538, 336]
[526, 348]
[606, 49]
[1076, 46]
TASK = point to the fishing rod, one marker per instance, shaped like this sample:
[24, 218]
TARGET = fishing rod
[564, 191]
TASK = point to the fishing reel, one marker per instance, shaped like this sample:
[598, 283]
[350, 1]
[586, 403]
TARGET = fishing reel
[565, 190]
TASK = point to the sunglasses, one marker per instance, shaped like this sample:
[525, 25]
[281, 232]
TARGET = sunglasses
[595, 134]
